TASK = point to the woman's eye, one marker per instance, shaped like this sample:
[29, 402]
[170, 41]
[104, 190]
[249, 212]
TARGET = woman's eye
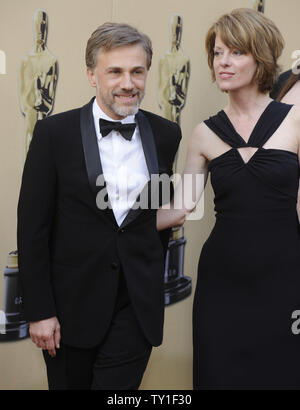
[237, 52]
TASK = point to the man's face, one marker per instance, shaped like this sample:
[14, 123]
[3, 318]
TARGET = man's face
[120, 80]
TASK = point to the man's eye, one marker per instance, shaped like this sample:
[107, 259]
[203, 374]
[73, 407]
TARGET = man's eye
[138, 71]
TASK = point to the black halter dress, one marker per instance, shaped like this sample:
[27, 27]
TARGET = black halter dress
[248, 288]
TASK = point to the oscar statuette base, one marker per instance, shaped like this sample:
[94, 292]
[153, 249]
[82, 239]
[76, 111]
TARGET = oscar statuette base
[12, 325]
[177, 286]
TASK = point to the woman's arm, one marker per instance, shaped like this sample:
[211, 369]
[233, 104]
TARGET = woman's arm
[191, 185]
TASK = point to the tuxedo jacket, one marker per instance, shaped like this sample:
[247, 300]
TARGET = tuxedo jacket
[70, 251]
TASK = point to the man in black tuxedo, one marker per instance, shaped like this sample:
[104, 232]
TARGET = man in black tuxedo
[91, 261]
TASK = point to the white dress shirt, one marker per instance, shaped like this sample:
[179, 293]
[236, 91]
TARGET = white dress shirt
[123, 162]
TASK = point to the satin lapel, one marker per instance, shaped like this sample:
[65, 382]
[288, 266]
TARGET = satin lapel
[91, 151]
[150, 153]
[148, 143]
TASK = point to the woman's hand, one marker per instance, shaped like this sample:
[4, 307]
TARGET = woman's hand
[166, 218]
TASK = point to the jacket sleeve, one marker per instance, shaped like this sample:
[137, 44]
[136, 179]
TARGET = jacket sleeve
[166, 233]
[280, 83]
[36, 208]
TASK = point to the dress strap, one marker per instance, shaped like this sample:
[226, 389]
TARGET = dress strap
[269, 121]
[222, 127]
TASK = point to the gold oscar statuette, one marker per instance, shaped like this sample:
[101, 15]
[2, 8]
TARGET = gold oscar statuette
[173, 78]
[259, 5]
[37, 78]
[37, 82]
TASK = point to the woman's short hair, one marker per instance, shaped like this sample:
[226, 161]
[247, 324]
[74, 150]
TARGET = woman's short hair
[112, 35]
[250, 32]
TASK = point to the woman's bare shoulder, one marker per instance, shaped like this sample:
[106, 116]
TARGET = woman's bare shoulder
[295, 122]
[201, 134]
[294, 117]
[295, 111]
[201, 130]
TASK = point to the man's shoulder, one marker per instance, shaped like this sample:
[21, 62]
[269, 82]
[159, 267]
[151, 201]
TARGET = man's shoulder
[165, 132]
[60, 125]
[157, 119]
[62, 116]
[71, 114]
[69, 117]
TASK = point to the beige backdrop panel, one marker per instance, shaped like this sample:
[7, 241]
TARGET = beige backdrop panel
[70, 24]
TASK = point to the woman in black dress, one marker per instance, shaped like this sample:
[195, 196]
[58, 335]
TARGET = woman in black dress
[248, 288]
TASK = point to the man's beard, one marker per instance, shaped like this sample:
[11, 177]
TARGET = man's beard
[121, 110]
[124, 110]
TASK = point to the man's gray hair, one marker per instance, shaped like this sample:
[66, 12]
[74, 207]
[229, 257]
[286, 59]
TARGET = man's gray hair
[112, 35]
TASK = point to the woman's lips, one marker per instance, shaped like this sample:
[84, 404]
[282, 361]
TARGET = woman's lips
[225, 75]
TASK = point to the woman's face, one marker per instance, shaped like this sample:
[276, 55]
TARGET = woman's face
[233, 69]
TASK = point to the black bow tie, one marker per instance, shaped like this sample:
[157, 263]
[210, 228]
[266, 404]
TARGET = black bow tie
[126, 130]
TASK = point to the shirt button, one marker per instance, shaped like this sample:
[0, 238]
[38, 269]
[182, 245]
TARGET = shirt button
[114, 265]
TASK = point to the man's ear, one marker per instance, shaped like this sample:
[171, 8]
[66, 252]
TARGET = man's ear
[91, 76]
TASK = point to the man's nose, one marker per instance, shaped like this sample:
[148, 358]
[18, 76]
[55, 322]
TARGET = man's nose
[126, 82]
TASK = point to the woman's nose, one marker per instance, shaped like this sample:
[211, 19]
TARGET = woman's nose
[225, 59]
